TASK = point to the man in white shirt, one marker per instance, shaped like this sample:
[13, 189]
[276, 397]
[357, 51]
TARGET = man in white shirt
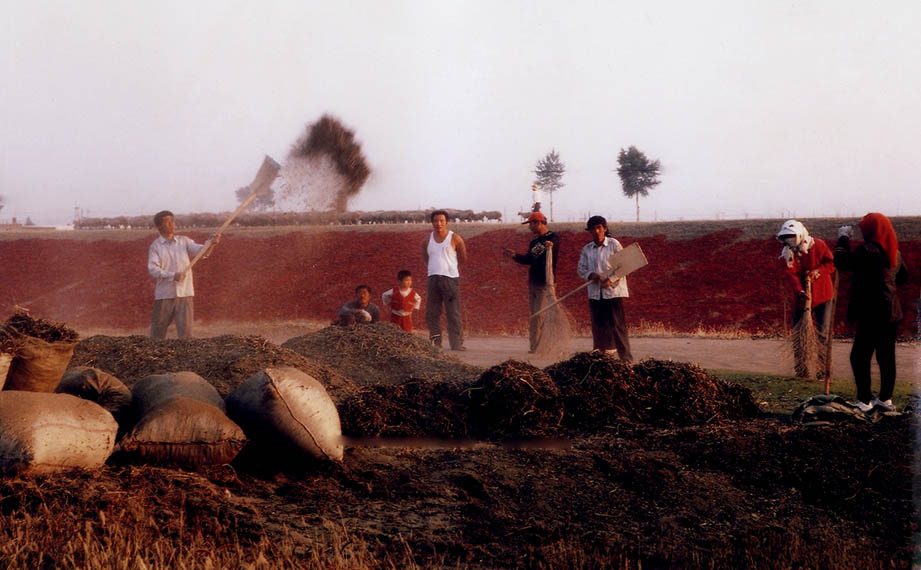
[605, 296]
[444, 252]
[168, 260]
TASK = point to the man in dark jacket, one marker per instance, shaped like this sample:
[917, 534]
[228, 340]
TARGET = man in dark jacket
[874, 305]
[536, 260]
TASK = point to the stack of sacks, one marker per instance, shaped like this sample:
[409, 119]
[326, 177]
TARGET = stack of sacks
[43, 432]
[181, 420]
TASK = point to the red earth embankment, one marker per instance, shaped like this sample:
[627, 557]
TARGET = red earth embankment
[715, 276]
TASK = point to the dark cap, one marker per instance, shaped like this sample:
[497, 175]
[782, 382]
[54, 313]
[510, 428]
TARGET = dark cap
[535, 217]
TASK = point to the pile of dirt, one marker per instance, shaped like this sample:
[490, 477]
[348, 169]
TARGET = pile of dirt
[415, 408]
[761, 494]
[24, 324]
[224, 361]
[598, 390]
[588, 393]
[380, 353]
[514, 400]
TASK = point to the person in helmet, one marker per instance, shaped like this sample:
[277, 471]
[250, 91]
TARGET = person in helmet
[807, 258]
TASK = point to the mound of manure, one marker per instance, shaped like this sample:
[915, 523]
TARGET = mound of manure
[22, 323]
[514, 400]
[224, 361]
[380, 353]
[683, 394]
[598, 390]
[415, 408]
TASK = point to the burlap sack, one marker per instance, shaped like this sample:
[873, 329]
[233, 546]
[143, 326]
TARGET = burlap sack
[151, 391]
[181, 421]
[286, 405]
[97, 386]
[44, 433]
[38, 365]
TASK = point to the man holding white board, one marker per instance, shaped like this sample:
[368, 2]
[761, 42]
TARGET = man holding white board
[605, 293]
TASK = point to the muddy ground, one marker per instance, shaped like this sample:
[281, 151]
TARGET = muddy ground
[586, 463]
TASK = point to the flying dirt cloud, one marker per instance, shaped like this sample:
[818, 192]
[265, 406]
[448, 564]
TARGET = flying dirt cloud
[325, 167]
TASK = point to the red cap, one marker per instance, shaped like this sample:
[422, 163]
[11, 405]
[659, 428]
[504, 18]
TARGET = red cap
[535, 217]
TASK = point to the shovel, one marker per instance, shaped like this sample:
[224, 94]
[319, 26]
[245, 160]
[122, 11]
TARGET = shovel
[260, 185]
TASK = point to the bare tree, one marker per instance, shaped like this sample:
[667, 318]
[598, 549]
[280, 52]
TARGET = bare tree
[549, 173]
[638, 174]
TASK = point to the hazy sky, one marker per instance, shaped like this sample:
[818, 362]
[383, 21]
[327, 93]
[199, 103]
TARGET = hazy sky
[758, 108]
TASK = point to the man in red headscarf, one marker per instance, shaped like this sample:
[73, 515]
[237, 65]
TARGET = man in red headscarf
[874, 305]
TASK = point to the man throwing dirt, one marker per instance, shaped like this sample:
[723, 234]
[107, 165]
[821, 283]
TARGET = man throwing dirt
[605, 296]
[444, 252]
[536, 260]
[168, 260]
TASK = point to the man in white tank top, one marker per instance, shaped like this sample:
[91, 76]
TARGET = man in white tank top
[443, 252]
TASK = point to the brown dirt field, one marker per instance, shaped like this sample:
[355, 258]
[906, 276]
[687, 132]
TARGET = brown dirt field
[481, 460]
[594, 464]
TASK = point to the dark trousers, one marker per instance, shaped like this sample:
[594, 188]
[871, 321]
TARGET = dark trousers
[609, 326]
[166, 311]
[535, 303]
[442, 290]
[880, 338]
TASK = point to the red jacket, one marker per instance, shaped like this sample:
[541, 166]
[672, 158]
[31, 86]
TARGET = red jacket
[401, 303]
[818, 257]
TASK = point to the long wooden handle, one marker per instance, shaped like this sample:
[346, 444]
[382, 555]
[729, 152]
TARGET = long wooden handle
[557, 302]
[829, 334]
[260, 185]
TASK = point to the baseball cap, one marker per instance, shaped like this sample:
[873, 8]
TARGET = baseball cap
[535, 217]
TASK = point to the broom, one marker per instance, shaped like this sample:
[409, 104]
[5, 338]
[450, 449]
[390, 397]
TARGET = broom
[555, 330]
[805, 340]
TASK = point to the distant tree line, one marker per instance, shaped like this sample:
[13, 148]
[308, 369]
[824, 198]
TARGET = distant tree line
[263, 219]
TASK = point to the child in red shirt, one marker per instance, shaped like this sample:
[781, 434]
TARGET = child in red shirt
[402, 300]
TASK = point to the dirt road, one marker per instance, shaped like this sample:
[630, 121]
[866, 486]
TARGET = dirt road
[767, 356]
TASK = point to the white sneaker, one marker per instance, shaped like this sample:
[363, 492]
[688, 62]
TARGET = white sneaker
[863, 407]
[884, 404]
